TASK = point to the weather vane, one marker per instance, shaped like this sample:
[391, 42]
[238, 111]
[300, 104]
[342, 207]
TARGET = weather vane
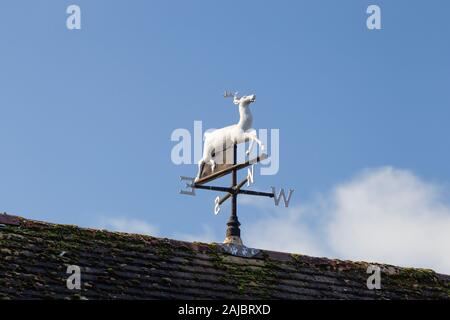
[220, 159]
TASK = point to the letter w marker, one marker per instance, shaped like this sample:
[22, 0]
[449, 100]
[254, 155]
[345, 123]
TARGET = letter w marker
[282, 195]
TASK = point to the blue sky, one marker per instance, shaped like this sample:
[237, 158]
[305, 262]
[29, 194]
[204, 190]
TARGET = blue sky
[86, 115]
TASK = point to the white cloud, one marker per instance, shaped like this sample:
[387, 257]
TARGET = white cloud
[286, 231]
[207, 236]
[129, 226]
[383, 215]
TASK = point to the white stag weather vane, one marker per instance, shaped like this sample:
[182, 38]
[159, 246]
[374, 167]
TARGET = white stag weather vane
[220, 159]
[225, 138]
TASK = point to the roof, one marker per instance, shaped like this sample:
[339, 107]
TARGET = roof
[35, 255]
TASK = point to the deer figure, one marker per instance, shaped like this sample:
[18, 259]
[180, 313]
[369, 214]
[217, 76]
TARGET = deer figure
[224, 138]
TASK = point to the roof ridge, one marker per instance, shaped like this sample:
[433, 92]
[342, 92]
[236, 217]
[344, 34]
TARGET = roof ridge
[302, 259]
[118, 264]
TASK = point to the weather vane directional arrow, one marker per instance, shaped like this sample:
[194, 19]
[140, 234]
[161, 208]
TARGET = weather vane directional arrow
[220, 159]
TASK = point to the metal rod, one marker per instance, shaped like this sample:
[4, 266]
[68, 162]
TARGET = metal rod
[225, 198]
[213, 188]
[236, 189]
[241, 184]
[233, 234]
[257, 193]
[230, 191]
[234, 183]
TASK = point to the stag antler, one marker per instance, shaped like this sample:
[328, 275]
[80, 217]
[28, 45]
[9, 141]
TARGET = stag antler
[235, 97]
[228, 94]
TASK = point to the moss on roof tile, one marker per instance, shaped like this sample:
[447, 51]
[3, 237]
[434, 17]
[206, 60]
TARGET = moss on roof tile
[35, 256]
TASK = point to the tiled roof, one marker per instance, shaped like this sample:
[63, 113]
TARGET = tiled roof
[34, 257]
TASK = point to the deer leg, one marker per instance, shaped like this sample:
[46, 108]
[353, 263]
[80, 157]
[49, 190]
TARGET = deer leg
[201, 165]
[253, 138]
[213, 165]
[250, 136]
[260, 144]
[250, 148]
